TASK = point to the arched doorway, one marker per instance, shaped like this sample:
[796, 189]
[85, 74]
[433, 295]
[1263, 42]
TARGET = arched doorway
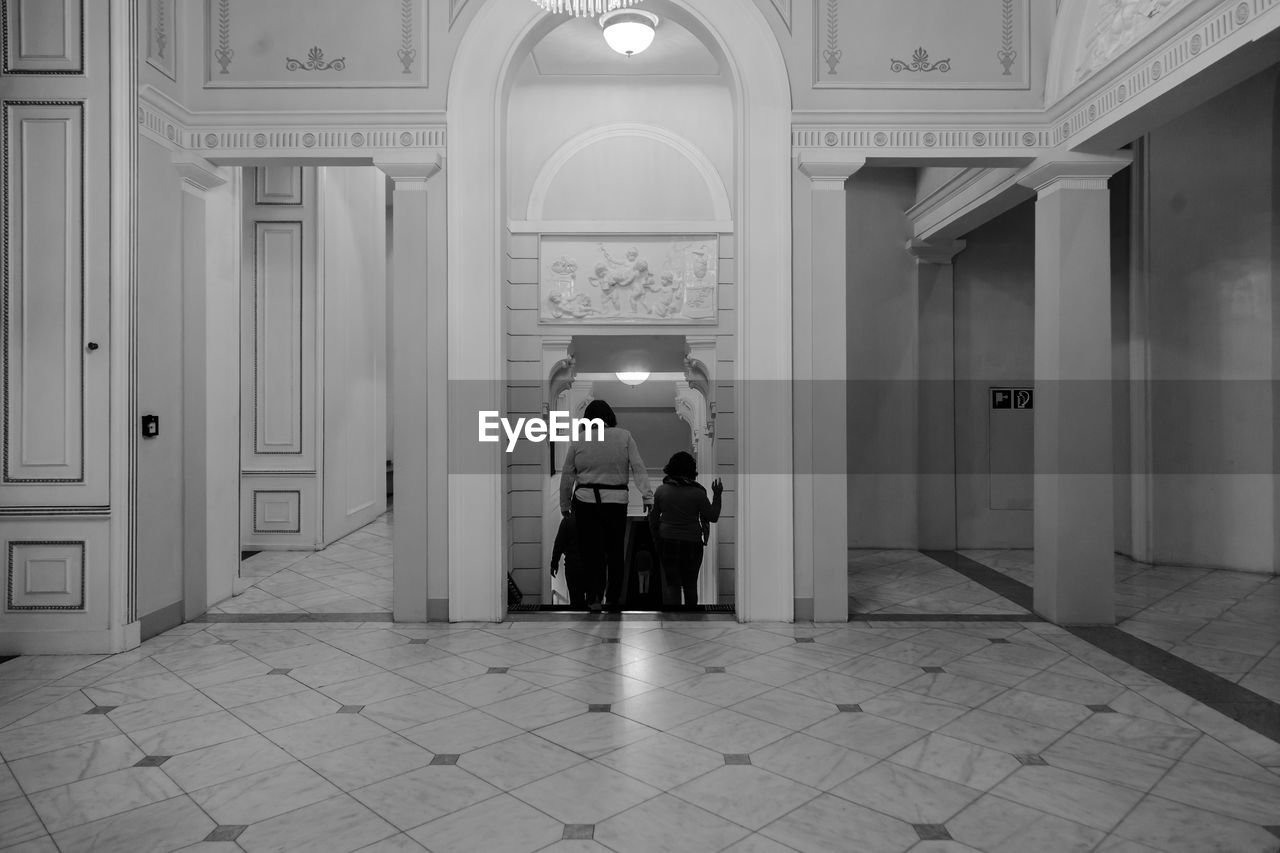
[498, 38]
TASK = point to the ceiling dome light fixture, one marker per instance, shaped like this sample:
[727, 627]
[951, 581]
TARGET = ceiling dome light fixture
[632, 377]
[583, 8]
[628, 31]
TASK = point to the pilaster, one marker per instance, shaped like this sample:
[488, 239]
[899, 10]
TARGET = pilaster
[1074, 521]
[420, 416]
[936, 450]
[821, 505]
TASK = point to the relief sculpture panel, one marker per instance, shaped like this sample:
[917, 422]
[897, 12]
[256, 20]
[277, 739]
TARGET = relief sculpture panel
[654, 279]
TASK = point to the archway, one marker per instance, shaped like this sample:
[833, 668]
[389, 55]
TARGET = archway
[499, 35]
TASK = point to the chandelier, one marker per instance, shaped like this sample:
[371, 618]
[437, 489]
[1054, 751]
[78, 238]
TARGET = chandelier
[583, 8]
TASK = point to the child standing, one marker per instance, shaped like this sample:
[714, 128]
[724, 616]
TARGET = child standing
[567, 545]
[680, 524]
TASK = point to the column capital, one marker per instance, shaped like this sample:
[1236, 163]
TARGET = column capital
[1075, 173]
[410, 172]
[943, 252]
[198, 174]
[828, 170]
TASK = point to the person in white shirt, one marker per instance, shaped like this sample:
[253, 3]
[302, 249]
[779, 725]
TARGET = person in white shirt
[593, 486]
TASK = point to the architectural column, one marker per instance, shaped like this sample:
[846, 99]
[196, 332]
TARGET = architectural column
[820, 421]
[1074, 522]
[936, 450]
[210, 386]
[420, 418]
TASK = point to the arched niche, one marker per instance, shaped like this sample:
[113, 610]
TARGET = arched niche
[497, 38]
[630, 154]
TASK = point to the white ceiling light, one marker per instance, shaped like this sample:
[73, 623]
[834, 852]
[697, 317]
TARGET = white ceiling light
[632, 377]
[583, 8]
[629, 31]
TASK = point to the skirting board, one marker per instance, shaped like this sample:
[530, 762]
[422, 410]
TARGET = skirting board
[159, 621]
[105, 642]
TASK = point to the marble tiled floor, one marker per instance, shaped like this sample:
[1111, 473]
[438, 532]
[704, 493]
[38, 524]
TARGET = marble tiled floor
[1225, 622]
[352, 575]
[900, 582]
[625, 736]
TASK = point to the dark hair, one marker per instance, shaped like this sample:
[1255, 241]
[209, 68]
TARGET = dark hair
[681, 464]
[602, 410]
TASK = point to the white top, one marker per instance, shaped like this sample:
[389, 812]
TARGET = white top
[606, 462]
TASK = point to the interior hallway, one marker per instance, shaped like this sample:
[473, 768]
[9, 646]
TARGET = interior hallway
[577, 735]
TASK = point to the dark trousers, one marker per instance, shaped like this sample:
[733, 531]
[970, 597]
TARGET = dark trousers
[575, 577]
[601, 528]
[681, 561]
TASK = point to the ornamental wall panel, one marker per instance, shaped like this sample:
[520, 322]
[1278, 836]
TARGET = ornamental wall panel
[54, 374]
[315, 43]
[922, 44]
[43, 36]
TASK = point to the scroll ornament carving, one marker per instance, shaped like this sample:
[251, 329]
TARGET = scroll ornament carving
[920, 62]
[1120, 24]
[315, 61]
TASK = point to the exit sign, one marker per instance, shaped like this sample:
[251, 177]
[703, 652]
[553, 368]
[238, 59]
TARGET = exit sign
[1012, 398]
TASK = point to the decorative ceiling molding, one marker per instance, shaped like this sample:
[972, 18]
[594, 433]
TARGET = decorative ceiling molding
[925, 142]
[972, 196]
[163, 121]
[1134, 79]
[455, 9]
[1139, 76]
[783, 8]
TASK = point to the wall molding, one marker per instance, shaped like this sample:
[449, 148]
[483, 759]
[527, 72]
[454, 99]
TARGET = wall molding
[716, 190]
[238, 138]
[1147, 70]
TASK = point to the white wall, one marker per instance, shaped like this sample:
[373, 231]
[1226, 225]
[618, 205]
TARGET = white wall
[160, 385]
[882, 359]
[994, 338]
[1211, 313]
[623, 178]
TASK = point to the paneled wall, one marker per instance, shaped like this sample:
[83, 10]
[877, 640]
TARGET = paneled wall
[55, 263]
[279, 451]
[352, 221]
[313, 357]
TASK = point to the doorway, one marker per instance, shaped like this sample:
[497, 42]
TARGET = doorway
[668, 406]
[315, 524]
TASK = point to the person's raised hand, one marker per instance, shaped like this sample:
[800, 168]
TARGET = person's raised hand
[717, 486]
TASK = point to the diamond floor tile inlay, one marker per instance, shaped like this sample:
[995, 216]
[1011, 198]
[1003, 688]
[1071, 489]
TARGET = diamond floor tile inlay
[891, 735]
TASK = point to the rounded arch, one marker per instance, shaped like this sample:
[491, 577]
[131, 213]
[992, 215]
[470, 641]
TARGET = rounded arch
[716, 190]
[498, 36]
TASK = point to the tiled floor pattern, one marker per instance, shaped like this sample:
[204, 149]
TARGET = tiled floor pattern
[352, 575]
[900, 582]
[623, 736]
[1225, 622]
